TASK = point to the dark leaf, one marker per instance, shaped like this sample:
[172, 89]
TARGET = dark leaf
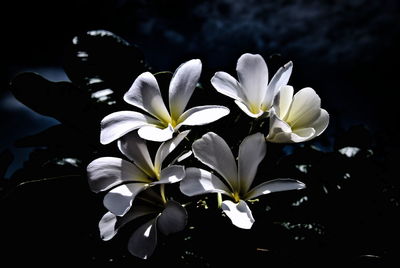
[100, 60]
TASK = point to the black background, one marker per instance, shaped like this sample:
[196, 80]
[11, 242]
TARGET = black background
[347, 51]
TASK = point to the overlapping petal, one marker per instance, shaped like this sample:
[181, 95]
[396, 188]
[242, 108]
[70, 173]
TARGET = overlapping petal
[119, 200]
[107, 172]
[239, 213]
[252, 72]
[143, 241]
[145, 94]
[155, 133]
[281, 78]
[297, 118]
[251, 152]
[273, 186]
[199, 181]
[135, 148]
[117, 124]
[213, 151]
[167, 147]
[182, 85]
[173, 218]
[171, 174]
[201, 115]
[253, 94]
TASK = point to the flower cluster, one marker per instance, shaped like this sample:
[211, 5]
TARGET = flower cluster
[135, 186]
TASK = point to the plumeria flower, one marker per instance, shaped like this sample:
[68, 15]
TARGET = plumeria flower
[126, 179]
[252, 93]
[297, 118]
[167, 218]
[236, 180]
[161, 124]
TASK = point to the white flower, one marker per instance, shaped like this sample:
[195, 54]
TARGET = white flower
[126, 179]
[160, 126]
[297, 118]
[213, 151]
[252, 93]
[168, 218]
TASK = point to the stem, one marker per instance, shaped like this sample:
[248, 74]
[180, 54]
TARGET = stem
[162, 192]
[219, 200]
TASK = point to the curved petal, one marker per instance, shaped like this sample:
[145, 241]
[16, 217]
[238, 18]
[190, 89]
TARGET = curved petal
[171, 174]
[251, 152]
[144, 240]
[277, 126]
[246, 109]
[281, 78]
[239, 213]
[272, 186]
[107, 172]
[135, 212]
[182, 86]
[119, 200]
[202, 115]
[145, 94]
[213, 151]
[283, 101]
[117, 124]
[173, 219]
[227, 85]
[321, 123]
[199, 181]
[167, 147]
[107, 226]
[155, 133]
[299, 135]
[306, 103]
[135, 148]
[253, 76]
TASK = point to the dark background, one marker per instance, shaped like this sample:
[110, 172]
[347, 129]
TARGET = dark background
[347, 51]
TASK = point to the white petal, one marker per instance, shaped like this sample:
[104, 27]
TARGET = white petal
[225, 84]
[145, 94]
[117, 124]
[299, 135]
[321, 123]
[173, 218]
[281, 78]
[182, 85]
[274, 186]
[107, 172]
[135, 212]
[283, 101]
[253, 76]
[119, 200]
[107, 226]
[306, 103]
[251, 152]
[135, 148]
[202, 115]
[155, 133]
[171, 174]
[199, 181]
[239, 213]
[167, 147]
[277, 126]
[144, 240]
[246, 109]
[213, 151]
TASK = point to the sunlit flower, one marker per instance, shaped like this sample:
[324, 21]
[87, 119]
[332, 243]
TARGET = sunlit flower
[213, 151]
[160, 126]
[168, 218]
[297, 118]
[126, 179]
[252, 93]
